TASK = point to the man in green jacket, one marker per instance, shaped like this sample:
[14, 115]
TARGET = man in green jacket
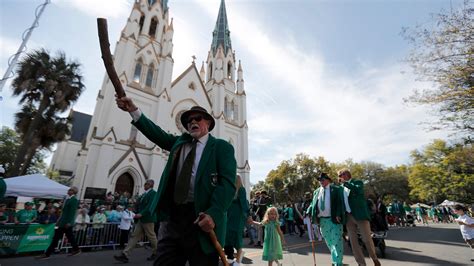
[65, 224]
[196, 188]
[327, 209]
[358, 217]
[145, 225]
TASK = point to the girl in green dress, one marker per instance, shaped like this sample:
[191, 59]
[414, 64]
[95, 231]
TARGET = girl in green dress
[272, 243]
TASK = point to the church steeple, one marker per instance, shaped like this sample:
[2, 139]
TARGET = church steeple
[221, 33]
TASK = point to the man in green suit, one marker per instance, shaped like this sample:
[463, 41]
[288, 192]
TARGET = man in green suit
[358, 217]
[196, 188]
[327, 209]
[145, 225]
[65, 224]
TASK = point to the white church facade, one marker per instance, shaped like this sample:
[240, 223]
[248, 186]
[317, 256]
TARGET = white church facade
[113, 155]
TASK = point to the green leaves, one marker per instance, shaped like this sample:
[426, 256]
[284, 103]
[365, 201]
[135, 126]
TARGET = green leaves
[444, 54]
[441, 171]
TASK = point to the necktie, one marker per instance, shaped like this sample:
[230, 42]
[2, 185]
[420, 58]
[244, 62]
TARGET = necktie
[323, 200]
[182, 181]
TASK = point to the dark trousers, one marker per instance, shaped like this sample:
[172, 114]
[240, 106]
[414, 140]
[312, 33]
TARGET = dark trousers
[124, 237]
[58, 235]
[179, 240]
[290, 225]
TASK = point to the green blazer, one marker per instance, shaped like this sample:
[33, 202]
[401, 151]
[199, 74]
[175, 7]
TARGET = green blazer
[236, 219]
[338, 208]
[68, 214]
[145, 205]
[214, 185]
[357, 200]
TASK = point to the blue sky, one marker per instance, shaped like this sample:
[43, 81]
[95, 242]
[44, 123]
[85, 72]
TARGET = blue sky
[326, 78]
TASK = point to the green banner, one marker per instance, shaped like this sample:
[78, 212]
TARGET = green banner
[25, 238]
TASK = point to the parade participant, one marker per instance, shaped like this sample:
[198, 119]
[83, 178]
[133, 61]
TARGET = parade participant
[313, 229]
[3, 185]
[145, 224]
[327, 209]
[125, 224]
[194, 190]
[466, 225]
[273, 241]
[358, 219]
[65, 224]
[236, 218]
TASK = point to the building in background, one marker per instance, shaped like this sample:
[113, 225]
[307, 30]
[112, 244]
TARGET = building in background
[114, 155]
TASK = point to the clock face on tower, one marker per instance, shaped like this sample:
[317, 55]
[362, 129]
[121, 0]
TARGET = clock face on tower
[178, 121]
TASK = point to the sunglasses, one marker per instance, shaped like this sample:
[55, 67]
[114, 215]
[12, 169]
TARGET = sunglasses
[197, 118]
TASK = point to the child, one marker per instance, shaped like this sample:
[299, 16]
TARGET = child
[466, 225]
[272, 243]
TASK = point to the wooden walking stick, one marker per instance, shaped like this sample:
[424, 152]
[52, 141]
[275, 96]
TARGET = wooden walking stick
[218, 247]
[107, 56]
[215, 243]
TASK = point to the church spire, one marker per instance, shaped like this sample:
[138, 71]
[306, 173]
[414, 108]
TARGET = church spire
[221, 33]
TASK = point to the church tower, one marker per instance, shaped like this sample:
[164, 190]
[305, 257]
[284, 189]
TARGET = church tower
[116, 157]
[113, 152]
[225, 86]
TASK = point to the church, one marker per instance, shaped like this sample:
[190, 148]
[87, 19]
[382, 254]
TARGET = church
[105, 151]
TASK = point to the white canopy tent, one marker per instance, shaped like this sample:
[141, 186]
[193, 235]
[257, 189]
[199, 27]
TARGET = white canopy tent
[35, 186]
[449, 203]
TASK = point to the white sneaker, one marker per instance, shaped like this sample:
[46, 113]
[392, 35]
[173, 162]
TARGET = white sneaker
[241, 257]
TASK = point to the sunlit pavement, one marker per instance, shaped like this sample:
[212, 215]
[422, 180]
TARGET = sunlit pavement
[421, 245]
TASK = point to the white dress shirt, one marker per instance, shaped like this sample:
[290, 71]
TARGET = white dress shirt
[326, 192]
[127, 219]
[346, 199]
[184, 152]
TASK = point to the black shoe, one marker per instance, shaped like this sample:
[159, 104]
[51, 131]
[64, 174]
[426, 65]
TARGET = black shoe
[121, 258]
[251, 242]
[152, 257]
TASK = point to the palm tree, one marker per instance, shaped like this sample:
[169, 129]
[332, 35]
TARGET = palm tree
[47, 87]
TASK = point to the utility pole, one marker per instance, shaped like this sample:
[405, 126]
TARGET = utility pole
[26, 35]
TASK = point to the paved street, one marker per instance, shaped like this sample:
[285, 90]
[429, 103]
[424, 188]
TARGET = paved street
[433, 245]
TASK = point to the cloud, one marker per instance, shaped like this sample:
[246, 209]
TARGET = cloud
[297, 103]
[99, 8]
[8, 47]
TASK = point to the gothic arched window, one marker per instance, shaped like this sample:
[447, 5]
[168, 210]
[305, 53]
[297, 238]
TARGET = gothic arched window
[149, 76]
[236, 112]
[232, 111]
[209, 77]
[229, 70]
[138, 71]
[153, 27]
[226, 108]
[142, 20]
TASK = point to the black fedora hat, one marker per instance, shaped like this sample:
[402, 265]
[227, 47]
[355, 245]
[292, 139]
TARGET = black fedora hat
[323, 176]
[197, 109]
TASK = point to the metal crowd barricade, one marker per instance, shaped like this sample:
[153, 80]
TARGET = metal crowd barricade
[92, 236]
